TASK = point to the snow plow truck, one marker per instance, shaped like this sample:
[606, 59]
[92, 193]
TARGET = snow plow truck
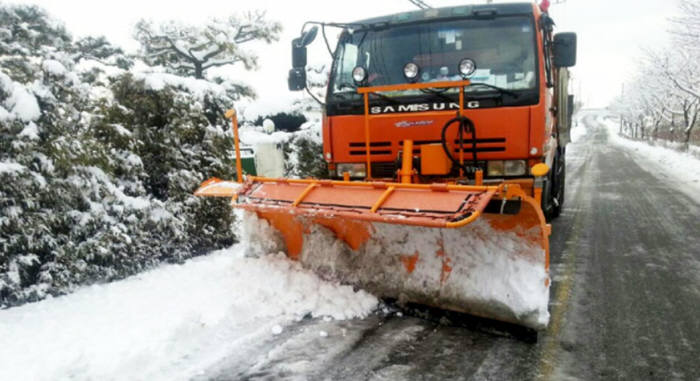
[444, 132]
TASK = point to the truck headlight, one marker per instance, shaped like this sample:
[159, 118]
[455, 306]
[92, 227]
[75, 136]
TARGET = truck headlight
[466, 67]
[497, 168]
[411, 71]
[354, 169]
[515, 168]
[359, 74]
[494, 168]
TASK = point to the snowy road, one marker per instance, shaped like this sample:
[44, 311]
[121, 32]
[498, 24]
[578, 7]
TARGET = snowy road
[625, 298]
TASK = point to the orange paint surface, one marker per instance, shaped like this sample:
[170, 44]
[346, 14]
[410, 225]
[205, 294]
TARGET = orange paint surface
[409, 261]
[354, 233]
[446, 270]
[291, 229]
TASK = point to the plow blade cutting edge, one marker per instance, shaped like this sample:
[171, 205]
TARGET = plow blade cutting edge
[430, 244]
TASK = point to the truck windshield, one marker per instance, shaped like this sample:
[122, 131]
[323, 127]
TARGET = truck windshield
[502, 48]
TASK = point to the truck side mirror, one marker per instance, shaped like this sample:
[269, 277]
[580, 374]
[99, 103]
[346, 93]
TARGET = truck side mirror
[299, 47]
[297, 76]
[297, 79]
[565, 49]
[298, 53]
[309, 36]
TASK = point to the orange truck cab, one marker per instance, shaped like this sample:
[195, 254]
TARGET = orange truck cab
[480, 92]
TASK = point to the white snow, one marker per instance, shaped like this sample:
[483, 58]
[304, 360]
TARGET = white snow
[30, 131]
[198, 87]
[8, 167]
[500, 274]
[170, 323]
[253, 136]
[121, 130]
[21, 103]
[133, 202]
[681, 168]
[4, 114]
[578, 130]
[54, 67]
[86, 65]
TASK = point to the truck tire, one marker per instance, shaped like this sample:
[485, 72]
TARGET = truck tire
[553, 194]
[558, 184]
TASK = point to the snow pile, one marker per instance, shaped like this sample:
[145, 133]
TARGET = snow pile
[170, 323]
[578, 130]
[493, 273]
[254, 135]
[682, 168]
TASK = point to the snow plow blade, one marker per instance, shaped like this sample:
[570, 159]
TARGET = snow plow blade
[441, 245]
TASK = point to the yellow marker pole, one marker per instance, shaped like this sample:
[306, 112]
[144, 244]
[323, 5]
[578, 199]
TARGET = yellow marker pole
[231, 114]
[368, 159]
[461, 149]
[407, 162]
[479, 177]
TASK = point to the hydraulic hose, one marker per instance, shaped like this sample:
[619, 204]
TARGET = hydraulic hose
[466, 126]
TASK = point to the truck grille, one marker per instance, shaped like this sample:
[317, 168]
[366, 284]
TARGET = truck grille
[376, 148]
[386, 170]
[494, 145]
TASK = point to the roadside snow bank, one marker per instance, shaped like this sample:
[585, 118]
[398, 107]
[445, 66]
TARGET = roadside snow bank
[681, 168]
[169, 323]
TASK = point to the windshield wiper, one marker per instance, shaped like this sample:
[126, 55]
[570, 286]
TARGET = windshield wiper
[379, 95]
[500, 90]
[386, 98]
[438, 93]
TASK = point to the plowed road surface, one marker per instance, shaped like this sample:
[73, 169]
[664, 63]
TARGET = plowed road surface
[625, 299]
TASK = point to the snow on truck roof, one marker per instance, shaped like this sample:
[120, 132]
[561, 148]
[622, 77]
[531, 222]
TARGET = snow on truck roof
[504, 9]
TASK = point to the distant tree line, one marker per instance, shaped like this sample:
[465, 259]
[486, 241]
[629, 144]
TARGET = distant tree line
[663, 101]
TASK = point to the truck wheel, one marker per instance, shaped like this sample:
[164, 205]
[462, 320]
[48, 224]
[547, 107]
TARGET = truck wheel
[553, 194]
[558, 187]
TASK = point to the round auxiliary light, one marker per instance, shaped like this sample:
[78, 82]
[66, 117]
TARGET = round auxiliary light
[411, 71]
[467, 67]
[359, 74]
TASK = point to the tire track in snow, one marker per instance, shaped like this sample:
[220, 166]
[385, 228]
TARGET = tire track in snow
[548, 354]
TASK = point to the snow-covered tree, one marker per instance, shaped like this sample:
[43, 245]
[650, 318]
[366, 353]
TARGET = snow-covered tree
[98, 163]
[27, 29]
[191, 50]
[664, 100]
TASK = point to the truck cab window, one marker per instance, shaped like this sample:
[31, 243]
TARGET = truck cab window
[503, 49]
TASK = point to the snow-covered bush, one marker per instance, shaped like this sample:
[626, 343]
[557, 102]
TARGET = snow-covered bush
[304, 156]
[98, 161]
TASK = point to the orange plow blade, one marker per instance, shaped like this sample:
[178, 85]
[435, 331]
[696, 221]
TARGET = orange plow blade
[434, 244]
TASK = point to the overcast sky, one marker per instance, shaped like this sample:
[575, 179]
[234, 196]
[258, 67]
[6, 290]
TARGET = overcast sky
[611, 33]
